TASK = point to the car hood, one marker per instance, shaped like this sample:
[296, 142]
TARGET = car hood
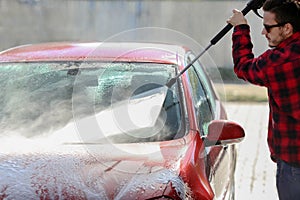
[40, 168]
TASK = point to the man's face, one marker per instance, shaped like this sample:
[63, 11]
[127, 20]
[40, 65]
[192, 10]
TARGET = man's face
[274, 35]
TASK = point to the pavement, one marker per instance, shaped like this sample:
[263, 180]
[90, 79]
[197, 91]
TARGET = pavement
[255, 172]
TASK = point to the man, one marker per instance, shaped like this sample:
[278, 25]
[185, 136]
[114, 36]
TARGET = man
[278, 69]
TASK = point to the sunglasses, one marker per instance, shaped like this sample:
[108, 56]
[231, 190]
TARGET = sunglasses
[269, 27]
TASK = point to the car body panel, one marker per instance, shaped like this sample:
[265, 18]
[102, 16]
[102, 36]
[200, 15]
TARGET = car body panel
[112, 175]
[149, 52]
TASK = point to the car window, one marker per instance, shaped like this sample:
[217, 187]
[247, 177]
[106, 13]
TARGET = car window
[38, 98]
[206, 83]
[201, 101]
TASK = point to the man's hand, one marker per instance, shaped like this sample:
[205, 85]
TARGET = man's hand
[237, 18]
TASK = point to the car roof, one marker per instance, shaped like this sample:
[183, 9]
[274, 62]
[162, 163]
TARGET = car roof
[91, 51]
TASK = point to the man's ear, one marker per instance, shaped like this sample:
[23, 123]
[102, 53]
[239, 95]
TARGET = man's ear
[288, 29]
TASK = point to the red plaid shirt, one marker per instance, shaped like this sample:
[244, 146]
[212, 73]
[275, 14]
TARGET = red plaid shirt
[278, 69]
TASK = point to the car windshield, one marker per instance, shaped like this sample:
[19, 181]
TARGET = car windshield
[38, 99]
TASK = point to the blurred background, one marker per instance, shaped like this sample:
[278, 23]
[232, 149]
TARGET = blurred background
[33, 21]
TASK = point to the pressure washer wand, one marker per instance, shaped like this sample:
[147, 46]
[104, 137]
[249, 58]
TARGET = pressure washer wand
[173, 80]
[252, 5]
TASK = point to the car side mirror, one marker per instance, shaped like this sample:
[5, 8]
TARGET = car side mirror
[223, 132]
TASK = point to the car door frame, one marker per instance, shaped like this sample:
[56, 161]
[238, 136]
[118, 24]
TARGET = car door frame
[220, 160]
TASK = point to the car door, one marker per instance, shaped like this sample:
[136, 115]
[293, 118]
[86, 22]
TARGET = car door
[218, 158]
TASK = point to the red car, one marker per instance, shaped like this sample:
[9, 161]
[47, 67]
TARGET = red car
[96, 121]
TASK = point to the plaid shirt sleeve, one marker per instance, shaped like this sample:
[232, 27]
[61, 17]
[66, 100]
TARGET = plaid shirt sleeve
[277, 69]
[245, 65]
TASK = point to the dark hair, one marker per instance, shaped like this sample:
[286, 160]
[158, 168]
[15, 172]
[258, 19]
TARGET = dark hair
[285, 11]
